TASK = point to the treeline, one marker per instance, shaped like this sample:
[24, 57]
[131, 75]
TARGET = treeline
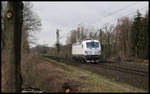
[131, 37]
[128, 39]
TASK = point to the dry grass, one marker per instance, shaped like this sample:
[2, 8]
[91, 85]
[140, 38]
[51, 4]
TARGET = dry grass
[42, 74]
[86, 81]
[38, 73]
[57, 77]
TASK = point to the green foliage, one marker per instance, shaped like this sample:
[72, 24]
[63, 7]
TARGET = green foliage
[139, 36]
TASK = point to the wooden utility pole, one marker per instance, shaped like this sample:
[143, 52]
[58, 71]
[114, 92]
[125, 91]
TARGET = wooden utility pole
[14, 20]
[58, 49]
[78, 32]
[100, 35]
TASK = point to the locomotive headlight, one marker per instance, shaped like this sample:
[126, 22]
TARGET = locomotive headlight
[86, 52]
[99, 52]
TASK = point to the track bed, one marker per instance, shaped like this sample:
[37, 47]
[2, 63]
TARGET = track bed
[132, 74]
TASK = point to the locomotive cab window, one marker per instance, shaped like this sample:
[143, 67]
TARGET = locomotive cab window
[92, 44]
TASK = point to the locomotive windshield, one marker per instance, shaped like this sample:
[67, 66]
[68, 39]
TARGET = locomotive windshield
[92, 44]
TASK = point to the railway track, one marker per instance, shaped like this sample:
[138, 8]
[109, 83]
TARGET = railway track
[124, 69]
[136, 76]
[120, 67]
[131, 66]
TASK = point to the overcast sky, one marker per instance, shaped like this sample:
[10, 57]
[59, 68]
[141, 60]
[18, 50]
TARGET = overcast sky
[68, 15]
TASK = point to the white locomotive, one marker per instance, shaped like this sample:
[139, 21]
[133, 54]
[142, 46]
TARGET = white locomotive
[87, 51]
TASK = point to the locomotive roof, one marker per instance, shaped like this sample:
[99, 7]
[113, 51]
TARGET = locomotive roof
[79, 42]
[91, 40]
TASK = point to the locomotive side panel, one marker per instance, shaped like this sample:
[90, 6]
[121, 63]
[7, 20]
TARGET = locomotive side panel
[77, 49]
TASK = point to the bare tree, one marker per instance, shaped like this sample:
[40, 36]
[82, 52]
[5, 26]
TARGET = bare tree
[107, 40]
[123, 31]
[31, 25]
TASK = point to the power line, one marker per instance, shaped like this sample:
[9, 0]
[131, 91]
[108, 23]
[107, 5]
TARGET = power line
[115, 12]
[126, 15]
[65, 35]
[119, 10]
[135, 11]
[110, 14]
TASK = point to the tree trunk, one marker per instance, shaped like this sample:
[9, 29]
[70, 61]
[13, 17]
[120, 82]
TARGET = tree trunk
[13, 47]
